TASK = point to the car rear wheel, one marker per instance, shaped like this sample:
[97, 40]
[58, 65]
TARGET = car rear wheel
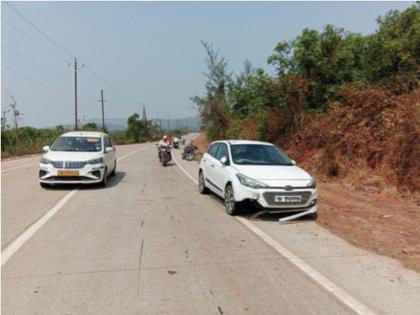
[231, 206]
[114, 170]
[202, 184]
[104, 181]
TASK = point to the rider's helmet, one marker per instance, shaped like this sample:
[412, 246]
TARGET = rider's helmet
[165, 137]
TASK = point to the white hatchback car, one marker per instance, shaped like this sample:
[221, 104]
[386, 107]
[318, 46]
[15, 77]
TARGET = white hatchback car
[259, 172]
[78, 157]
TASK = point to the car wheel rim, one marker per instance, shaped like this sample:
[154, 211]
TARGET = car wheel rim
[201, 184]
[229, 199]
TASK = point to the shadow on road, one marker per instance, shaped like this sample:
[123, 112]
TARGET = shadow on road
[112, 181]
[248, 212]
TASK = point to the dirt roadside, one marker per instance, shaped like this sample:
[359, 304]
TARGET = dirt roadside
[382, 223]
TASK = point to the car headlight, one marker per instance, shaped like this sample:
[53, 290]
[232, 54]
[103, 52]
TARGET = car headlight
[44, 160]
[96, 161]
[312, 183]
[249, 182]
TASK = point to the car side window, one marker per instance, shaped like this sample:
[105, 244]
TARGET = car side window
[213, 150]
[106, 142]
[222, 152]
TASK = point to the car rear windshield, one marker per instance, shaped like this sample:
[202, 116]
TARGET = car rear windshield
[77, 144]
[258, 154]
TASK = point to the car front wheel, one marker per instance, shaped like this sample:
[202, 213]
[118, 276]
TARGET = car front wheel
[104, 181]
[202, 184]
[231, 206]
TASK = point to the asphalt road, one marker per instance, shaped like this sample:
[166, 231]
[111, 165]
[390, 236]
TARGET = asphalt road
[146, 244]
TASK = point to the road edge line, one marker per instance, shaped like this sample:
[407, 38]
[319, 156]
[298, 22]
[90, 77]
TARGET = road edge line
[317, 277]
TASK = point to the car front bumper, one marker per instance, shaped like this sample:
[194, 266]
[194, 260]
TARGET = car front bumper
[89, 174]
[266, 198]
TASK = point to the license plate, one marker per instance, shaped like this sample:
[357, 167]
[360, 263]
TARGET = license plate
[288, 198]
[68, 173]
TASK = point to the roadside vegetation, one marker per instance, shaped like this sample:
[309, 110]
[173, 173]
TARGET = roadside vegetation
[16, 140]
[347, 108]
[344, 105]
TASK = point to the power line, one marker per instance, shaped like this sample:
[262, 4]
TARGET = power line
[39, 30]
[34, 41]
[33, 80]
[36, 64]
[30, 78]
[47, 37]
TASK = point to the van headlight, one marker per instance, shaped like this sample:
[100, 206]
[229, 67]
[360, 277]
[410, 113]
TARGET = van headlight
[44, 160]
[95, 161]
[249, 182]
[312, 183]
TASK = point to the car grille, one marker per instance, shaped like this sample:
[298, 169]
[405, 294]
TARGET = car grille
[69, 178]
[58, 164]
[74, 165]
[68, 165]
[270, 196]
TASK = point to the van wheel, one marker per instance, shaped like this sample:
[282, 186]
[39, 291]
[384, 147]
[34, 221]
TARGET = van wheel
[202, 184]
[104, 181]
[231, 206]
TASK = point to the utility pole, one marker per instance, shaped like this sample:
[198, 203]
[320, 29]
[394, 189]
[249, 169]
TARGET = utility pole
[75, 94]
[103, 110]
[145, 120]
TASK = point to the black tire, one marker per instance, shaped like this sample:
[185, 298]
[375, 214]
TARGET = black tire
[231, 206]
[44, 185]
[313, 216]
[202, 184]
[114, 170]
[104, 181]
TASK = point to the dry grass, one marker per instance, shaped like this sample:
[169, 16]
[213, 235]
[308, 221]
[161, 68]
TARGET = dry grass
[367, 213]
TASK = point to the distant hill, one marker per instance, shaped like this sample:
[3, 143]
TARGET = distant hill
[114, 124]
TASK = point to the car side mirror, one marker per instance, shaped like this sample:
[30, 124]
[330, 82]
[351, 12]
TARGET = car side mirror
[293, 162]
[224, 160]
[109, 149]
[46, 148]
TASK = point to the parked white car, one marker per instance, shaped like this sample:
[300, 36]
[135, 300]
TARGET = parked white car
[79, 157]
[258, 172]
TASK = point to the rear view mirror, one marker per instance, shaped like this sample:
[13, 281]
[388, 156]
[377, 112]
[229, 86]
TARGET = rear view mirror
[109, 149]
[46, 148]
[224, 160]
[293, 162]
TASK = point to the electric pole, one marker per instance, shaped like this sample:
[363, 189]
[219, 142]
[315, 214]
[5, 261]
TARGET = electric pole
[103, 110]
[75, 94]
[145, 120]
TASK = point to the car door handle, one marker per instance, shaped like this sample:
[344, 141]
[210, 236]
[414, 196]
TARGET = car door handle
[212, 165]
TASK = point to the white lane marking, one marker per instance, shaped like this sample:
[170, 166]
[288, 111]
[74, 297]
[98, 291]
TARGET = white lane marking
[17, 167]
[13, 247]
[10, 250]
[321, 280]
[135, 151]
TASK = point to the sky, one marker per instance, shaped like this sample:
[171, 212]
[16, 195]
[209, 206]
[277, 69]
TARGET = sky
[146, 53]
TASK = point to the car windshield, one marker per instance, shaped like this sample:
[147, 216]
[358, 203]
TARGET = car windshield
[258, 154]
[78, 144]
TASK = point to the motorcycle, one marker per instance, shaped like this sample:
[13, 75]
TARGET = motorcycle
[164, 155]
[189, 154]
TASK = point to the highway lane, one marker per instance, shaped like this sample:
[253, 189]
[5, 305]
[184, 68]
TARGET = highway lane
[23, 201]
[147, 244]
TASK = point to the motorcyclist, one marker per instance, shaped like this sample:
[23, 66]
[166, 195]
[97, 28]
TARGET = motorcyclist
[165, 142]
[190, 147]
